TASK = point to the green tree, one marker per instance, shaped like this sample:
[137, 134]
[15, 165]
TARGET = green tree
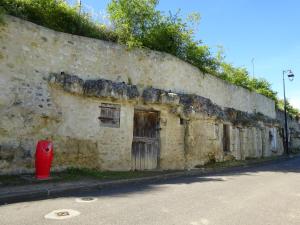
[132, 19]
[139, 24]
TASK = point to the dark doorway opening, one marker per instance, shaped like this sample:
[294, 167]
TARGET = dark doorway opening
[226, 138]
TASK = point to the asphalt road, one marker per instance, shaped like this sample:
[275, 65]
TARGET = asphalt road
[264, 195]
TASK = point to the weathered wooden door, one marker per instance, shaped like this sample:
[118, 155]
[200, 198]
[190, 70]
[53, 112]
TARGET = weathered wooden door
[145, 145]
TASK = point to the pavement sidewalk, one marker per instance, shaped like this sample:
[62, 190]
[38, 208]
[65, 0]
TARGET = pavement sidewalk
[11, 194]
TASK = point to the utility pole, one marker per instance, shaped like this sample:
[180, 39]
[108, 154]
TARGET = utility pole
[291, 78]
[79, 6]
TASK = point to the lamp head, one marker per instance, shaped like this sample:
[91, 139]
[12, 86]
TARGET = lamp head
[290, 75]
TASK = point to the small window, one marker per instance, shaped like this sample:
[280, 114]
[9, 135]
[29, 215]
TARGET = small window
[109, 115]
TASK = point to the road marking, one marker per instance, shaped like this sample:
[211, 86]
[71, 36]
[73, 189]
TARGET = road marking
[61, 214]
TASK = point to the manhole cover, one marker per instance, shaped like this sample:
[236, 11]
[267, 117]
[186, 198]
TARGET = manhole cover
[86, 199]
[61, 214]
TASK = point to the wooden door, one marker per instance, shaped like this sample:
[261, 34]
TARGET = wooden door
[145, 145]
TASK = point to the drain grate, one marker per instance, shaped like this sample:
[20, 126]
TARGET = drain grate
[61, 214]
[86, 199]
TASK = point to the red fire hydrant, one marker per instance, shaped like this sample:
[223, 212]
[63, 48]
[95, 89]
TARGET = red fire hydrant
[43, 159]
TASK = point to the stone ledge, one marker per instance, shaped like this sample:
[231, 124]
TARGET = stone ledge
[94, 88]
[185, 105]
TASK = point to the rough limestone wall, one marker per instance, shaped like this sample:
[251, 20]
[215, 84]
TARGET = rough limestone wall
[105, 148]
[236, 143]
[279, 139]
[31, 49]
[259, 141]
[294, 129]
[251, 143]
[296, 141]
[172, 141]
[245, 142]
[279, 150]
[267, 148]
[71, 122]
[31, 109]
[266, 144]
[254, 142]
[203, 142]
[27, 113]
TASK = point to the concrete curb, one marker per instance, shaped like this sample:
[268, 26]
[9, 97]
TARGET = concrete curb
[42, 191]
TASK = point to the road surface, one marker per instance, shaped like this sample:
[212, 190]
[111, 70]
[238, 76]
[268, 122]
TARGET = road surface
[264, 195]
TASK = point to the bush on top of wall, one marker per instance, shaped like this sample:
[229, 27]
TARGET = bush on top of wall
[57, 15]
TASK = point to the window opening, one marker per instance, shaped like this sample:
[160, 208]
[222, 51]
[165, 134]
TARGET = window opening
[109, 115]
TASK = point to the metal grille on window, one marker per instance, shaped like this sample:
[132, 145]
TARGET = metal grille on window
[109, 115]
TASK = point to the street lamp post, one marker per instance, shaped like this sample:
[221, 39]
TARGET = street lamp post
[291, 78]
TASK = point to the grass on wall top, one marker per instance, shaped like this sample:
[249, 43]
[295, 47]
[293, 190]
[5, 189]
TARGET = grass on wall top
[57, 15]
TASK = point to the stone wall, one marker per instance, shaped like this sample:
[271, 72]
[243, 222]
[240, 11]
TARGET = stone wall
[31, 49]
[52, 84]
[294, 129]
[204, 142]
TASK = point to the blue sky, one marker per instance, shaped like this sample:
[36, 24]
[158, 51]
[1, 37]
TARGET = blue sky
[265, 30]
